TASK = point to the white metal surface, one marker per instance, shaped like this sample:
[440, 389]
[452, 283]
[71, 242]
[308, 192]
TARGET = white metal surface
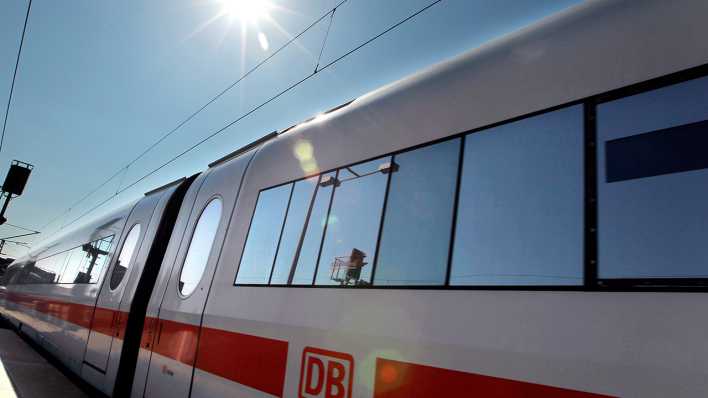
[634, 344]
[167, 377]
[621, 344]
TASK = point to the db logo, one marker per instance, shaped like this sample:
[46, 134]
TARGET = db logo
[326, 374]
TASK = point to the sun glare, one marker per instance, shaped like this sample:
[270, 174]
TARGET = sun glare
[248, 11]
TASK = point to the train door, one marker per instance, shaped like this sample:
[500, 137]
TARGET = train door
[177, 328]
[107, 319]
[139, 287]
[149, 329]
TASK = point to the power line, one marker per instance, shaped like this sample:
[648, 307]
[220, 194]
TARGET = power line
[20, 235]
[25, 244]
[390, 28]
[256, 108]
[14, 75]
[195, 113]
[324, 41]
[21, 227]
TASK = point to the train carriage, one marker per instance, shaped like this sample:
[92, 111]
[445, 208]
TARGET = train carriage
[525, 220]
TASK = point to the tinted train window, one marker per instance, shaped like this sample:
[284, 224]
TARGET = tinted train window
[29, 274]
[306, 261]
[292, 230]
[351, 233]
[417, 227]
[76, 260]
[520, 214]
[11, 275]
[47, 270]
[22, 276]
[125, 256]
[653, 183]
[262, 242]
[98, 255]
[83, 264]
[200, 247]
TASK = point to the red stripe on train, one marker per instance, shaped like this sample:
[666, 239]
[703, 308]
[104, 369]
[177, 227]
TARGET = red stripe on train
[78, 314]
[260, 363]
[177, 341]
[254, 361]
[103, 321]
[395, 379]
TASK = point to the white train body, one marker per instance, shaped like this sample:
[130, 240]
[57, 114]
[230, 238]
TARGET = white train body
[526, 220]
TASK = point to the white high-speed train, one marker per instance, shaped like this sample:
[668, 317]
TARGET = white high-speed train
[526, 220]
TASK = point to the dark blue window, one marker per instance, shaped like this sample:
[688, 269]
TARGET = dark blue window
[415, 239]
[520, 214]
[653, 184]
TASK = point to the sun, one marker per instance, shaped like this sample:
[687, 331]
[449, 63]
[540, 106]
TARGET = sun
[248, 11]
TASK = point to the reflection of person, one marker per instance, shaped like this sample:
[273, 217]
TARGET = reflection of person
[356, 263]
[353, 265]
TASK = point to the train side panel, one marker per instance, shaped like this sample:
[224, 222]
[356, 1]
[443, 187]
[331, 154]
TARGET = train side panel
[183, 300]
[117, 295]
[169, 260]
[260, 341]
[58, 315]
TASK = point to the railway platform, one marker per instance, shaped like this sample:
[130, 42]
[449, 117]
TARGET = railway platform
[25, 373]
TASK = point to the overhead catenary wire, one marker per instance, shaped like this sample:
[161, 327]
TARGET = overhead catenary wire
[20, 235]
[14, 75]
[21, 227]
[256, 108]
[194, 114]
[237, 81]
[24, 244]
[324, 41]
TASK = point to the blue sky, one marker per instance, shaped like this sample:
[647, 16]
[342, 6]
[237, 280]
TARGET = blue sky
[101, 80]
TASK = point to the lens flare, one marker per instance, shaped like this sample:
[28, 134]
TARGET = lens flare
[263, 41]
[303, 150]
[305, 154]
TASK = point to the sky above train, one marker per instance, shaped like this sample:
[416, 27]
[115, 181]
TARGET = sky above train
[100, 81]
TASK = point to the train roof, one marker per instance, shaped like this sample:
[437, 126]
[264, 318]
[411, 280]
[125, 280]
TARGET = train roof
[585, 50]
[110, 223]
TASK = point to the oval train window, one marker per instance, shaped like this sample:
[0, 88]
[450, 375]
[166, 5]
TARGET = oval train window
[199, 248]
[126, 253]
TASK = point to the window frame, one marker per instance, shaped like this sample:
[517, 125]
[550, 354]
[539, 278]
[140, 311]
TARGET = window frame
[138, 243]
[590, 280]
[212, 198]
[280, 233]
[110, 247]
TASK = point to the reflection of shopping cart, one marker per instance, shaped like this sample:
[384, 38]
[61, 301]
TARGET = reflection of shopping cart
[347, 269]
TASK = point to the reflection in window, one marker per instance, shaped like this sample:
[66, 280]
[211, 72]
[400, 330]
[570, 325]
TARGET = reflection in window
[520, 212]
[417, 227]
[76, 260]
[125, 256]
[653, 184]
[84, 264]
[47, 270]
[307, 258]
[100, 249]
[350, 239]
[11, 275]
[292, 230]
[200, 247]
[262, 240]
[22, 277]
